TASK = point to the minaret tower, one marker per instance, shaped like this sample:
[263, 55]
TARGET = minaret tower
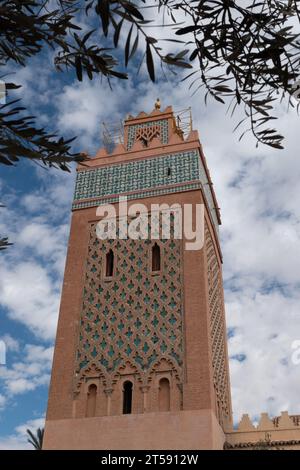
[140, 357]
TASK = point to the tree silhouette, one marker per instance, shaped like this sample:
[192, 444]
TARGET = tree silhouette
[245, 56]
[36, 440]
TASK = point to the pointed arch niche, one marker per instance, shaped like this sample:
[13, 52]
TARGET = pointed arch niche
[164, 398]
[127, 397]
[156, 258]
[91, 401]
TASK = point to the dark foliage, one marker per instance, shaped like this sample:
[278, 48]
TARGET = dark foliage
[247, 53]
[36, 440]
[4, 243]
[243, 54]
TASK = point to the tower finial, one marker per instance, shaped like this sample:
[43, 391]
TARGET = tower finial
[157, 103]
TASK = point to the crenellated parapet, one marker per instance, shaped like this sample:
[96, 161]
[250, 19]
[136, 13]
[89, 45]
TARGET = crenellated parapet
[280, 432]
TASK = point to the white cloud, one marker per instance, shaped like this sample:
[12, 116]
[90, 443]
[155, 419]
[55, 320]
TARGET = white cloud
[2, 401]
[30, 371]
[18, 440]
[38, 353]
[83, 108]
[30, 297]
[31, 272]
[52, 200]
[11, 343]
[47, 242]
[264, 331]
[32, 424]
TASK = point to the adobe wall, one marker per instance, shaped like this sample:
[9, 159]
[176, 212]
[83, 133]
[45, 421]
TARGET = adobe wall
[187, 430]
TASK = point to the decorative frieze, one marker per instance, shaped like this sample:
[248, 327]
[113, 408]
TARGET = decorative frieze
[138, 175]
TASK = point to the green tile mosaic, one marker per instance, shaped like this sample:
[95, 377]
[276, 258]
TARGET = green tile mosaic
[138, 175]
[146, 177]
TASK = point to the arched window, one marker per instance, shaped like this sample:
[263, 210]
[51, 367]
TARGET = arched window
[155, 257]
[109, 270]
[164, 395]
[91, 401]
[127, 398]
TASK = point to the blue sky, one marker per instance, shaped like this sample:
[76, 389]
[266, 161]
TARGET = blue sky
[258, 192]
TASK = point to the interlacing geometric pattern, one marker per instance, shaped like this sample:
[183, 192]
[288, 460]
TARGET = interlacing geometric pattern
[217, 326]
[135, 316]
[171, 173]
[161, 127]
[121, 178]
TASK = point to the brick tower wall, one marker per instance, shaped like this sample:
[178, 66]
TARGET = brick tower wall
[138, 325]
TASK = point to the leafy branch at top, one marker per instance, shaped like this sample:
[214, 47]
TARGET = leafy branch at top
[245, 56]
[249, 55]
[26, 27]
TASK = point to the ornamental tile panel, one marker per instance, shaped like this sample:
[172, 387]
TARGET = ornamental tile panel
[217, 327]
[135, 316]
[138, 175]
[144, 178]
